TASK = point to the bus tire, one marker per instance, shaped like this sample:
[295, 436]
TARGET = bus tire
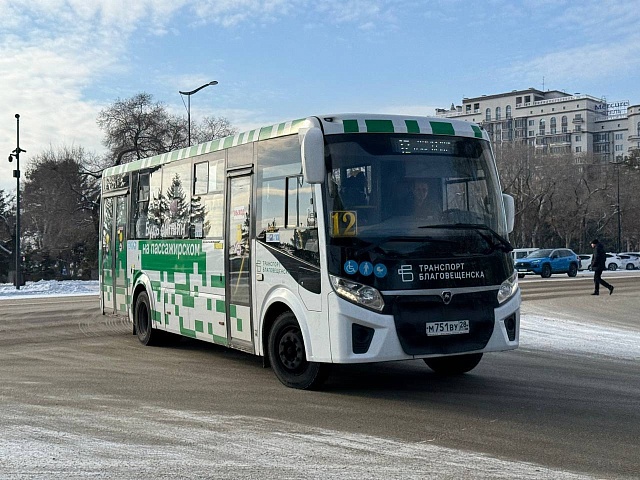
[142, 319]
[288, 358]
[454, 365]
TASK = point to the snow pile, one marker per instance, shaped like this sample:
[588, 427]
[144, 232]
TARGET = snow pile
[47, 288]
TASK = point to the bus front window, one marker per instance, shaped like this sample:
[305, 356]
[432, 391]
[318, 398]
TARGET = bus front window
[415, 186]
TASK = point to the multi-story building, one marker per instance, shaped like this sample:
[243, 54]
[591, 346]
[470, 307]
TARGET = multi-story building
[555, 122]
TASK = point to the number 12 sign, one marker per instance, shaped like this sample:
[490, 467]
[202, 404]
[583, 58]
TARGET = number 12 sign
[344, 223]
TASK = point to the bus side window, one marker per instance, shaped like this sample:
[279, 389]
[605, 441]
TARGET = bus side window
[176, 207]
[286, 211]
[140, 206]
[207, 203]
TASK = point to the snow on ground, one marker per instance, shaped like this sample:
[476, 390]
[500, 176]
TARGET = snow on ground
[67, 442]
[47, 288]
[577, 338]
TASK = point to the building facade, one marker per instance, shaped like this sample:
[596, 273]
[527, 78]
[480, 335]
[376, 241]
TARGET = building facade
[555, 122]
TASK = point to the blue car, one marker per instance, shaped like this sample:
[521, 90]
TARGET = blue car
[547, 261]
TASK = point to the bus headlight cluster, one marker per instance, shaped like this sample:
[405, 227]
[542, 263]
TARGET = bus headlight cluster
[358, 293]
[508, 288]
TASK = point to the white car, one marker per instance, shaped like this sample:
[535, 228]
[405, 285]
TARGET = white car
[613, 262]
[584, 262]
[518, 253]
[629, 261]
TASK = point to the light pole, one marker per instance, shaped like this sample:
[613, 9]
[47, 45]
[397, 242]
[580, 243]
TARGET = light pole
[16, 173]
[617, 165]
[188, 94]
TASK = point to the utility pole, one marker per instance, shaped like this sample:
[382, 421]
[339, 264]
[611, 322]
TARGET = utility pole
[617, 165]
[16, 173]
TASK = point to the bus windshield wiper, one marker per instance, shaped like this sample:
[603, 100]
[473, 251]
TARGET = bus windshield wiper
[503, 244]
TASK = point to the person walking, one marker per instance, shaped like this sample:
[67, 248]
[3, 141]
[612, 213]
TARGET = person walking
[598, 264]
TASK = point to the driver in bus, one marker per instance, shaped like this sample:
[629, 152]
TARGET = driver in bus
[424, 206]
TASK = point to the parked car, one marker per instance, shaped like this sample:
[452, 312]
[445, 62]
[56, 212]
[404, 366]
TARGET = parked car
[584, 262]
[629, 261]
[518, 253]
[547, 261]
[613, 262]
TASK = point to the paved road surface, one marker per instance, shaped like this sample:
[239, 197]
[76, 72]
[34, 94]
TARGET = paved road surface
[80, 397]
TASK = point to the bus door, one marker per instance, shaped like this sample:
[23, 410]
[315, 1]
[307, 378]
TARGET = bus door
[114, 254]
[238, 265]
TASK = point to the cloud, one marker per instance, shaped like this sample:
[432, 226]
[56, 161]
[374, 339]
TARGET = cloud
[53, 51]
[577, 64]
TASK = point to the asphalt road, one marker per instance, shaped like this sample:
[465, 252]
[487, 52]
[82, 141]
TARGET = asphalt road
[80, 397]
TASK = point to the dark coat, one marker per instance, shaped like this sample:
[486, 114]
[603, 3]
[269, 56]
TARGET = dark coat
[599, 260]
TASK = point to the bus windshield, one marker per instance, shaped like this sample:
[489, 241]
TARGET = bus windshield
[400, 189]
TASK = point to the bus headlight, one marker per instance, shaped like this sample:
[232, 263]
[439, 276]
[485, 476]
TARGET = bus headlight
[358, 293]
[508, 288]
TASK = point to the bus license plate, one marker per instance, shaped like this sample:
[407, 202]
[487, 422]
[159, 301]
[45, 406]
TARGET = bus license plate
[448, 328]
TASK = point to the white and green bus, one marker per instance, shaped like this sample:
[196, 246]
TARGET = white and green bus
[303, 243]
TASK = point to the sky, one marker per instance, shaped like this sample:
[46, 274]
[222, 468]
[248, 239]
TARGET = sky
[63, 61]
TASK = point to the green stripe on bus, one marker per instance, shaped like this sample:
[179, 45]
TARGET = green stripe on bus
[477, 132]
[379, 126]
[265, 132]
[228, 142]
[412, 126]
[351, 126]
[296, 124]
[442, 128]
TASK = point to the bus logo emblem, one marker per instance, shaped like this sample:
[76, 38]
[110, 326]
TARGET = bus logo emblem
[446, 297]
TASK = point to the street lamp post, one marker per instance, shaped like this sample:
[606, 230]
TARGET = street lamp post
[617, 165]
[16, 173]
[188, 94]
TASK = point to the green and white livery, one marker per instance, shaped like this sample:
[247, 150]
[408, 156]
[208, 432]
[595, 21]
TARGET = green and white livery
[334, 239]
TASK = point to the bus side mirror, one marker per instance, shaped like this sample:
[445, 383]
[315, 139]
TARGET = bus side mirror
[509, 210]
[312, 144]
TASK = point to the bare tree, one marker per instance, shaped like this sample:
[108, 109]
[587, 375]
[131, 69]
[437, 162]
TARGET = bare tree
[139, 127]
[211, 128]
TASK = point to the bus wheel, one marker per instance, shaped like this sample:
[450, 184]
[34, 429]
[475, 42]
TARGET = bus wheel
[142, 321]
[288, 357]
[454, 365]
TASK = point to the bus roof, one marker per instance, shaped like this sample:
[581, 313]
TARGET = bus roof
[331, 125]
